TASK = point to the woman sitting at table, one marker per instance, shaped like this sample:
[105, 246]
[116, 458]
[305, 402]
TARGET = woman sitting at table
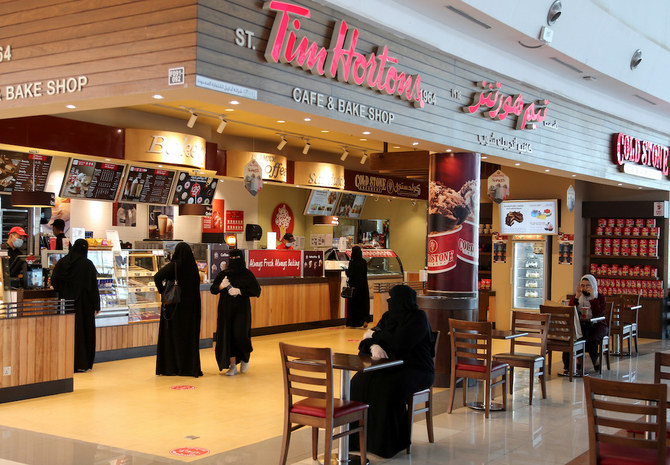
[587, 296]
[403, 333]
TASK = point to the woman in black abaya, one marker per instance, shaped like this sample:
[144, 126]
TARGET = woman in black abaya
[179, 328]
[75, 278]
[233, 326]
[358, 306]
[403, 333]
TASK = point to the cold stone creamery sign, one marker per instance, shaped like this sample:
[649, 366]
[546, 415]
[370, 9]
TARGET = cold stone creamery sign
[274, 167]
[165, 147]
[341, 61]
[641, 157]
[319, 175]
[358, 181]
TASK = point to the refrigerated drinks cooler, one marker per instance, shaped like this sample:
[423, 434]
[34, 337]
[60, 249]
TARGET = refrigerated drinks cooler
[529, 274]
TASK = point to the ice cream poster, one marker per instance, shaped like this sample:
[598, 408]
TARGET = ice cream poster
[498, 187]
[253, 177]
[283, 220]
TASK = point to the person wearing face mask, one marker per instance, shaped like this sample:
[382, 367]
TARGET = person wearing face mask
[286, 242]
[235, 285]
[18, 268]
[587, 296]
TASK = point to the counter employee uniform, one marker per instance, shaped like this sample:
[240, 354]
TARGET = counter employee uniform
[286, 242]
[18, 268]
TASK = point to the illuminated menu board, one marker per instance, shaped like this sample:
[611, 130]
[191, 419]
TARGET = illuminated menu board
[321, 202]
[87, 179]
[23, 171]
[194, 189]
[147, 185]
[350, 206]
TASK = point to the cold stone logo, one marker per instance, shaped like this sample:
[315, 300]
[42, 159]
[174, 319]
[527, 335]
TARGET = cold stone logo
[370, 183]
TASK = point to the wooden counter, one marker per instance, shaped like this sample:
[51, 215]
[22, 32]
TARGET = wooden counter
[40, 353]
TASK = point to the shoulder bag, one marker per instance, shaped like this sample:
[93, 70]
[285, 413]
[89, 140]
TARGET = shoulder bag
[171, 295]
[347, 292]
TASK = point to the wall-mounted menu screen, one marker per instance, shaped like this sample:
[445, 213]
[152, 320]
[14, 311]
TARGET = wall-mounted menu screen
[529, 217]
[147, 185]
[321, 202]
[350, 206]
[194, 189]
[23, 171]
[93, 180]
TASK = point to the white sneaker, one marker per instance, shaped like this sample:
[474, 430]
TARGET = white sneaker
[232, 371]
[244, 367]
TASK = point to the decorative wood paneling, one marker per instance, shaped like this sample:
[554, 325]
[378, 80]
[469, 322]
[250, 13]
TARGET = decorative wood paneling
[38, 349]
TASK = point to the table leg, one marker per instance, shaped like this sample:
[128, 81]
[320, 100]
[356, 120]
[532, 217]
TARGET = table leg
[345, 394]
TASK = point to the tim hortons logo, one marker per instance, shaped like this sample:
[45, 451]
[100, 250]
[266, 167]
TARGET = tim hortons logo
[287, 44]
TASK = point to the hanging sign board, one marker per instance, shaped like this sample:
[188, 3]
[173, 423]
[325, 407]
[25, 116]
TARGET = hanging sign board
[253, 177]
[498, 187]
[273, 167]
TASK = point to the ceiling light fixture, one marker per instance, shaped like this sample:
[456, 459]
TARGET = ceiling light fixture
[282, 142]
[191, 121]
[158, 96]
[222, 125]
[554, 12]
[308, 119]
[70, 106]
[234, 102]
[345, 154]
[415, 143]
[365, 158]
[636, 59]
[306, 148]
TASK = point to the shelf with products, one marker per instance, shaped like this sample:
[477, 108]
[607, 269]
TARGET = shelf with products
[625, 257]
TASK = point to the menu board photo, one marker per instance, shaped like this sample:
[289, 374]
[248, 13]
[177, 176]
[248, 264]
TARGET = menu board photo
[350, 206]
[194, 189]
[321, 202]
[147, 185]
[529, 217]
[23, 171]
[86, 179]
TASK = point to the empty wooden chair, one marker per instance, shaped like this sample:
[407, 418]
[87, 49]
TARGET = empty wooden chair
[308, 374]
[537, 326]
[620, 331]
[604, 345]
[471, 358]
[629, 314]
[424, 398]
[612, 406]
[562, 338]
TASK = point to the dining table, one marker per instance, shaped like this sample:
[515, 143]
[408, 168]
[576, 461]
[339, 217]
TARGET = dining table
[359, 363]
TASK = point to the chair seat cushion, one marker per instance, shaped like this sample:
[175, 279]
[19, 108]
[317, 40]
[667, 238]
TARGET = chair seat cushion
[517, 357]
[317, 407]
[480, 366]
[617, 454]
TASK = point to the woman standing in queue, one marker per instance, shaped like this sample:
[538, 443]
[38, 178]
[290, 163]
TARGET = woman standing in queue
[75, 277]
[403, 333]
[358, 306]
[235, 285]
[178, 351]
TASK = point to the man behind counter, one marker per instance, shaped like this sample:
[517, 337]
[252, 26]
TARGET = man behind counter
[58, 227]
[17, 266]
[286, 242]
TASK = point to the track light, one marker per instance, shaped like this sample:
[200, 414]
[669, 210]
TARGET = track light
[636, 59]
[222, 125]
[554, 12]
[345, 154]
[365, 158]
[282, 143]
[306, 147]
[192, 119]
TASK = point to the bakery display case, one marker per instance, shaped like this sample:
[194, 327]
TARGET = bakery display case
[134, 272]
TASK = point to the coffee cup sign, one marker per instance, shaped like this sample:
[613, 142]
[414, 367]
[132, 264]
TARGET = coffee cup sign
[161, 223]
[498, 187]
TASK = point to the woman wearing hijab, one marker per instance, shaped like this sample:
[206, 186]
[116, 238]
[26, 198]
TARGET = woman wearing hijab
[587, 296]
[235, 285]
[178, 351]
[75, 278]
[403, 333]
[358, 306]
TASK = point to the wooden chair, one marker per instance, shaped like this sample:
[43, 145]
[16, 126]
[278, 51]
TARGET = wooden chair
[612, 406]
[561, 337]
[308, 373]
[604, 345]
[471, 359]
[424, 397]
[620, 331]
[631, 303]
[537, 327]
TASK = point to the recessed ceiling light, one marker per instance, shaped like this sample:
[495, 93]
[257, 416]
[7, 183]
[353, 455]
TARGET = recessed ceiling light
[281, 121]
[449, 150]
[619, 184]
[415, 143]
[308, 119]
[517, 164]
[158, 96]
[396, 146]
[546, 171]
[109, 159]
[366, 132]
[574, 175]
[483, 157]
[70, 106]
[325, 130]
[363, 140]
[228, 110]
[160, 166]
[640, 187]
[234, 102]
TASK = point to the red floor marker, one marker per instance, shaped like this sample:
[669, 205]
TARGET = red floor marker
[182, 387]
[189, 451]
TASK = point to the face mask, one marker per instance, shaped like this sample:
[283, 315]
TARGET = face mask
[18, 243]
[586, 293]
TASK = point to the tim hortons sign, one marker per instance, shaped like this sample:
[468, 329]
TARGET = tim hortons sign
[377, 71]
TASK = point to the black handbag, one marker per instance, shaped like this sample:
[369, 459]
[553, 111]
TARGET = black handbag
[347, 292]
[171, 295]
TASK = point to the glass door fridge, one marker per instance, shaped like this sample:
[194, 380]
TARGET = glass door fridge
[529, 274]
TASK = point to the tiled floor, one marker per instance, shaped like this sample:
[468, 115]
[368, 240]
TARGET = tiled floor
[121, 414]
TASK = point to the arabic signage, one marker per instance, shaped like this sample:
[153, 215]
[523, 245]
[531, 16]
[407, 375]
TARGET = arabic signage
[496, 105]
[274, 167]
[511, 144]
[165, 147]
[275, 263]
[631, 150]
[319, 174]
[358, 181]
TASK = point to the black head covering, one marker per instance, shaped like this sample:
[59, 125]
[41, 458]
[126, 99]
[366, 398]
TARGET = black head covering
[356, 253]
[78, 250]
[183, 257]
[66, 267]
[402, 300]
[236, 260]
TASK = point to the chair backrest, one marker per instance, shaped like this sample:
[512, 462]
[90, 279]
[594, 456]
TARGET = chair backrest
[561, 324]
[537, 327]
[612, 406]
[619, 306]
[661, 363]
[470, 342]
[307, 373]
